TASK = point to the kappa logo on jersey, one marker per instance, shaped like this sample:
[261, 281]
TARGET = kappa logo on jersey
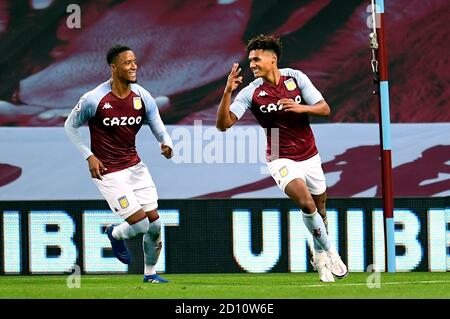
[290, 84]
[107, 106]
[262, 93]
[137, 104]
[122, 121]
[123, 201]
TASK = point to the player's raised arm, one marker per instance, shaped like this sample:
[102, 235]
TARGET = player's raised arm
[225, 118]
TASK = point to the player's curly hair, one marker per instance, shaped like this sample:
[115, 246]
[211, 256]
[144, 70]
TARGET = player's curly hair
[114, 51]
[265, 42]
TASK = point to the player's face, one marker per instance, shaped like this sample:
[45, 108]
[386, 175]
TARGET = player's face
[126, 67]
[262, 62]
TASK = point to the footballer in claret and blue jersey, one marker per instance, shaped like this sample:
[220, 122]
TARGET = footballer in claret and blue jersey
[281, 100]
[115, 111]
[114, 122]
[296, 139]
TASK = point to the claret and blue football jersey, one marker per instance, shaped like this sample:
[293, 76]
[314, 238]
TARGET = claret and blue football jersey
[294, 137]
[113, 124]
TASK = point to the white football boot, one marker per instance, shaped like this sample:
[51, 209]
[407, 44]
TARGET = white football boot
[337, 266]
[322, 263]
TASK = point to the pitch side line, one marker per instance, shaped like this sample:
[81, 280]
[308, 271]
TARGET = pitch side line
[385, 283]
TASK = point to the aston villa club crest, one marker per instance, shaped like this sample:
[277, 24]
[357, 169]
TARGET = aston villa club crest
[283, 171]
[123, 201]
[137, 103]
[290, 84]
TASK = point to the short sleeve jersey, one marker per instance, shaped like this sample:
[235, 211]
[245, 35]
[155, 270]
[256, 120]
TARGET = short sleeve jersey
[289, 134]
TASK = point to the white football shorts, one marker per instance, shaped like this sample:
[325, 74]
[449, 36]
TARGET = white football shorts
[129, 190]
[285, 170]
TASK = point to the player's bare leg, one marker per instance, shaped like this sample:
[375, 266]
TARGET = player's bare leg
[134, 225]
[152, 248]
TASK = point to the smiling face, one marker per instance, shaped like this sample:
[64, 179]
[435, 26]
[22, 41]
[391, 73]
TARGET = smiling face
[125, 67]
[262, 62]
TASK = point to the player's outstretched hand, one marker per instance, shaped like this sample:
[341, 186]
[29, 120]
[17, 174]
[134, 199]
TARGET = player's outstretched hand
[234, 79]
[166, 151]
[96, 167]
[289, 105]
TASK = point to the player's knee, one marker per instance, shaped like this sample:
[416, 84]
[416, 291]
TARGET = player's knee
[308, 206]
[152, 215]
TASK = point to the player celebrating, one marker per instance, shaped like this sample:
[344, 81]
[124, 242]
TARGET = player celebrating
[115, 111]
[281, 100]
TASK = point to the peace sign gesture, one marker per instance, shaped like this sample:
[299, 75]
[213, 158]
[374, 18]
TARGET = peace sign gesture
[233, 78]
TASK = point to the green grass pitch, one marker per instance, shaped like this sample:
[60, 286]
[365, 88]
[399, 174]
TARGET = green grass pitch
[226, 286]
